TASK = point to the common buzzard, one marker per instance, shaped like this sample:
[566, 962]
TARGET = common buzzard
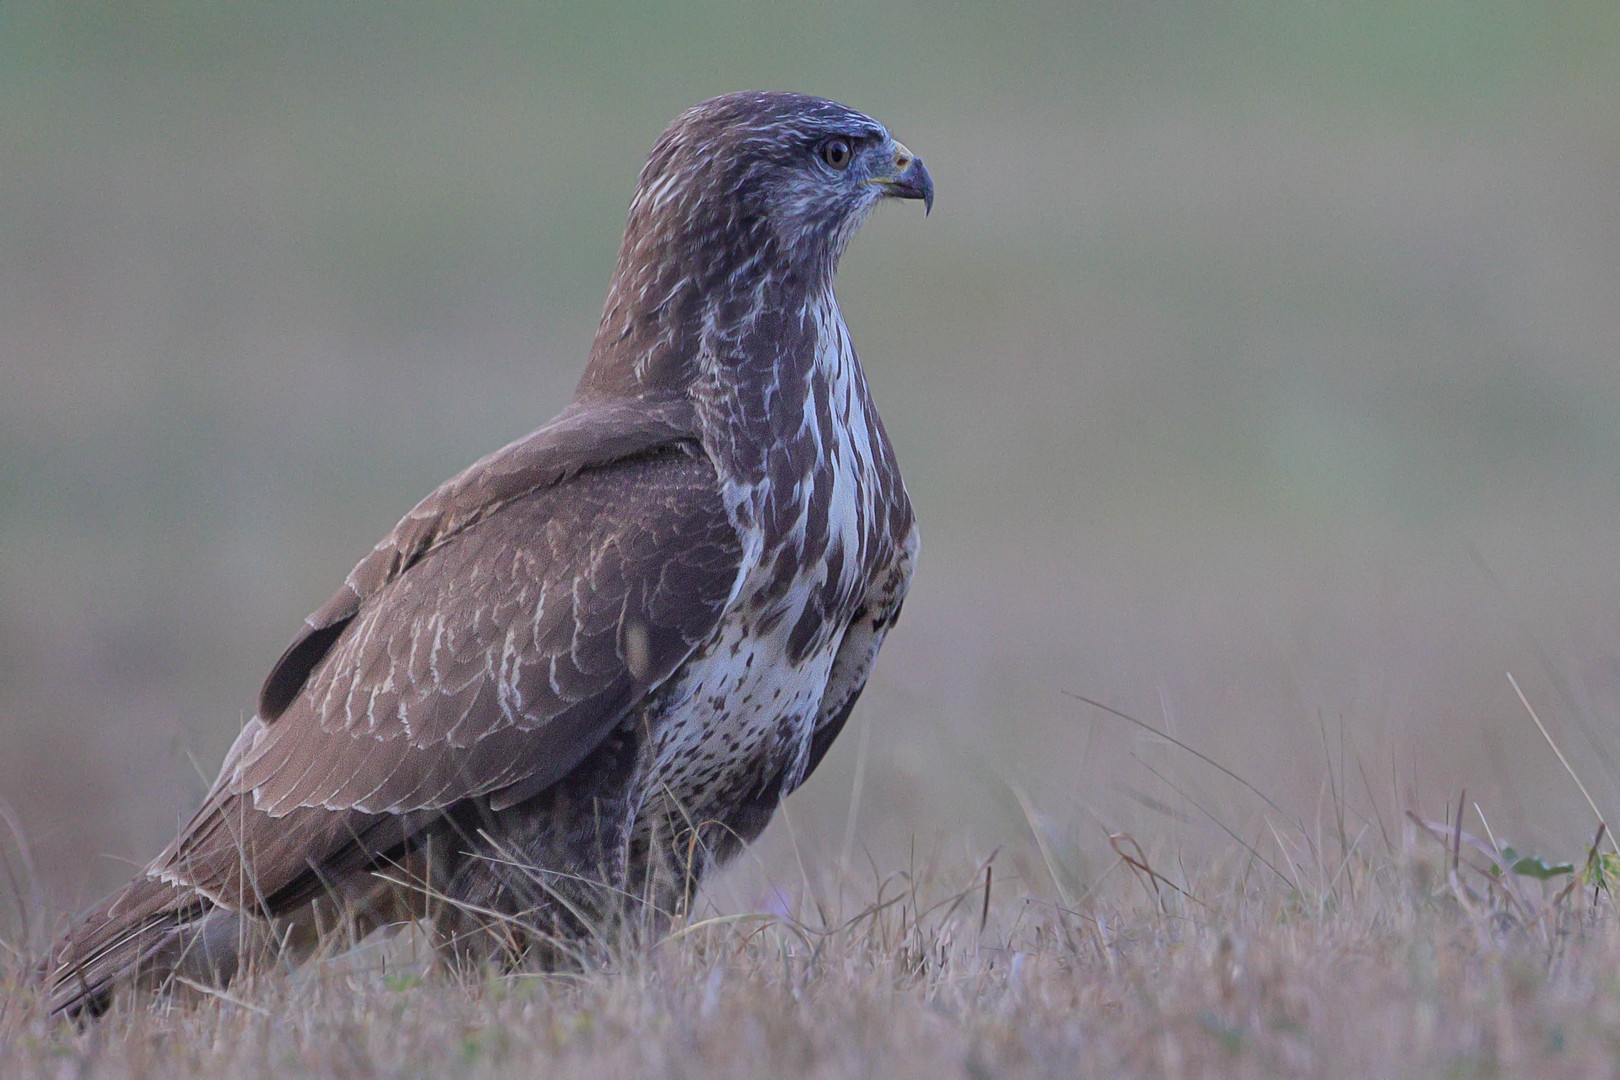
[588, 667]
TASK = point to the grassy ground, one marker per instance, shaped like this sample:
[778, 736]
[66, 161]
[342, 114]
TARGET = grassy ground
[1412, 959]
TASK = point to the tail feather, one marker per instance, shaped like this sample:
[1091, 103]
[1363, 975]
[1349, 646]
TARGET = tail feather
[143, 932]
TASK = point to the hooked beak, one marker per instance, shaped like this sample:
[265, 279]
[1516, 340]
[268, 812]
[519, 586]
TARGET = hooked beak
[908, 180]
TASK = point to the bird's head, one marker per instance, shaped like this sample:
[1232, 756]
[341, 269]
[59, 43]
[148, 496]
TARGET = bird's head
[740, 192]
[749, 167]
[807, 169]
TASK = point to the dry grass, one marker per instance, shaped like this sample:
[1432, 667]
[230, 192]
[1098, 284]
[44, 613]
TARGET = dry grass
[1412, 960]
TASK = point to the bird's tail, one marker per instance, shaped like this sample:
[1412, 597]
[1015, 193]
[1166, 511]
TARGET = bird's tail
[147, 932]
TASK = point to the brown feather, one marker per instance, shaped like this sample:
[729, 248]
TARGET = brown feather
[132, 929]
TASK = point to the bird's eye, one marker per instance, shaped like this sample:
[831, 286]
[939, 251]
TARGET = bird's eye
[836, 153]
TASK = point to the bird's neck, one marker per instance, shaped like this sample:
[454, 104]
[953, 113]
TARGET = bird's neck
[678, 299]
[748, 340]
[765, 387]
[781, 402]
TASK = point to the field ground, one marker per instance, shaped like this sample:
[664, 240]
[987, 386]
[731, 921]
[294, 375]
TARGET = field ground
[1307, 960]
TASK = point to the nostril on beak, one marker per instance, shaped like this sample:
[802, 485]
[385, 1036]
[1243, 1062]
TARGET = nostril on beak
[902, 158]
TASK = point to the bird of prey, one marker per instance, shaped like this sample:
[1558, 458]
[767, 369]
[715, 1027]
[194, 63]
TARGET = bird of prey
[585, 670]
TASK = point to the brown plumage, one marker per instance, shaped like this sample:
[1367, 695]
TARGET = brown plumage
[588, 667]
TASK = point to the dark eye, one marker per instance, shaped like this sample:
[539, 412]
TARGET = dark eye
[836, 153]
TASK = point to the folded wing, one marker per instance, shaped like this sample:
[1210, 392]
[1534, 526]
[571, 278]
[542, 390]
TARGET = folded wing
[484, 649]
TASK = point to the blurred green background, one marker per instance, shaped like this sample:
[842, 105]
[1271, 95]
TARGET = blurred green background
[1257, 375]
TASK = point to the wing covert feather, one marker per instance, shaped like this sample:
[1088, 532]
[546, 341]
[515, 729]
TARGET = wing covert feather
[584, 435]
[491, 668]
[506, 654]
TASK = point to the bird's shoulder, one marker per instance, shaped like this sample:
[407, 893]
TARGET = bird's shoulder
[584, 436]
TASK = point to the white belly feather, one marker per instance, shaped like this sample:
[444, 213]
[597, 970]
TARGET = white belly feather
[739, 714]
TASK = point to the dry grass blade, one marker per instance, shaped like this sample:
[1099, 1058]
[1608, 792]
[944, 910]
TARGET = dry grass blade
[984, 914]
[1562, 760]
[1219, 824]
[1137, 860]
[221, 995]
[1205, 758]
[1053, 867]
[717, 920]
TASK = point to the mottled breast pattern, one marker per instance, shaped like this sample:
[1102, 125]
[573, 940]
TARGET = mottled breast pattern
[831, 535]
